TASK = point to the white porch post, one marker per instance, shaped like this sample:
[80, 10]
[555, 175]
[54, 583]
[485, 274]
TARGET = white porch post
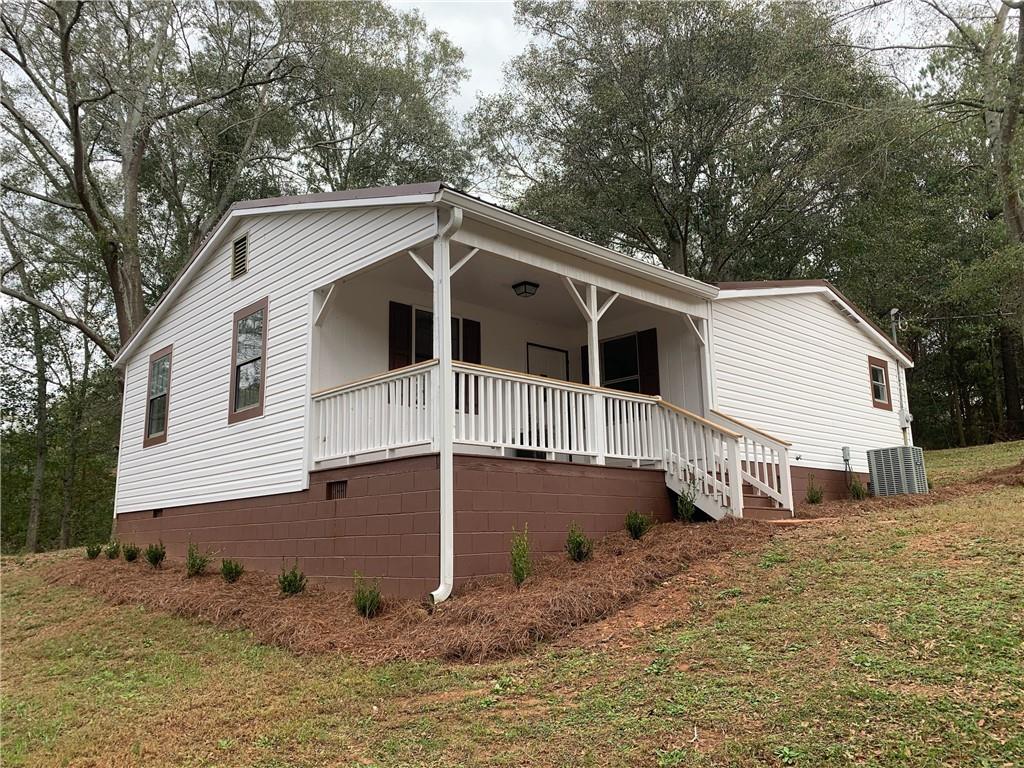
[444, 400]
[594, 360]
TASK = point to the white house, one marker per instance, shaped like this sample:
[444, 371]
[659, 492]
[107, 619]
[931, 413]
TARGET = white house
[389, 381]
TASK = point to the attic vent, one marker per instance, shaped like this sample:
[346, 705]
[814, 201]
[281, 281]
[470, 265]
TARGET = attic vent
[240, 257]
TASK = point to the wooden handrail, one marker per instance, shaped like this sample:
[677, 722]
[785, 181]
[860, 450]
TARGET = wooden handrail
[760, 432]
[557, 382]
[700, 419]
[394, 373]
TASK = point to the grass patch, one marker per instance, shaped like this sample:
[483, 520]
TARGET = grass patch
[957, 465]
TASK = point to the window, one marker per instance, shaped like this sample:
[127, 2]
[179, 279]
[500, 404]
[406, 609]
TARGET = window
[620, 364]
[248, 362]
[411, 336]
[423, 336]
[240, 257]
[158, 391]
[629, 363]
[881, 394]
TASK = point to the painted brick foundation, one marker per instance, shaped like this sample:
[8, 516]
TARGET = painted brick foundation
[386, 526]
[832, 482]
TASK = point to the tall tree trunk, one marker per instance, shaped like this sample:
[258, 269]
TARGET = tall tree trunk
[77, 409]
[38, 471]
[1008, 353]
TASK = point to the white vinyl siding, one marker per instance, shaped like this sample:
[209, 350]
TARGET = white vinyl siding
[797, 368]
[205, 458]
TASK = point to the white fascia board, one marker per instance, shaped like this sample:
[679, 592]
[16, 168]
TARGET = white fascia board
[577, 246]
[214, 241]
[869, 330]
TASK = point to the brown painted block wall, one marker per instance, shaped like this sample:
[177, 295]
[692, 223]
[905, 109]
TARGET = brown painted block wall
[832, 482]
[387, 525]
[495, 496]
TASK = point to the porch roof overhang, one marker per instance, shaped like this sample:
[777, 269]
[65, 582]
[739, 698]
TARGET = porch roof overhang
[592, 254]
[604, 267]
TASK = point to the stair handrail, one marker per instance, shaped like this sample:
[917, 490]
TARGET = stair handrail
[783, 495]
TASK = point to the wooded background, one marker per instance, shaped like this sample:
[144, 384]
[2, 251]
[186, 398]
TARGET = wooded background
[737, 141]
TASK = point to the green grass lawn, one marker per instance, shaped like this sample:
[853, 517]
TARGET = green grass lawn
[958, 464]
[891, 639]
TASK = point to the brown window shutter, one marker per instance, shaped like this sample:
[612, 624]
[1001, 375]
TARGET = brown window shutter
[470, 341]
[584, 365]
[647, 352]
[399, 335]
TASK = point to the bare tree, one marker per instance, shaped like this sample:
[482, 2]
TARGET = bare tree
[85, 88]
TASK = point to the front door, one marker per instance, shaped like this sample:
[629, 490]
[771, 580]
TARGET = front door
[550, 362]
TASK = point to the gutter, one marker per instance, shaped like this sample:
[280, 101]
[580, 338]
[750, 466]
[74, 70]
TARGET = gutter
[445, 414]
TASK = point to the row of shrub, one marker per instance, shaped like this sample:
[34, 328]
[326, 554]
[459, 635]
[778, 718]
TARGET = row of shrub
[367, 598]
[578, 546]
[816, 494]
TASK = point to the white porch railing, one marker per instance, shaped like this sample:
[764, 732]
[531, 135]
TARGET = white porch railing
[511, 410]
[392, 413]
[702, 457]
[381, 414]
[764, 461]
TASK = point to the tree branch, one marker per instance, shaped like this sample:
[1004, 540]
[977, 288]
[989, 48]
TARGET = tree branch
[92, 334]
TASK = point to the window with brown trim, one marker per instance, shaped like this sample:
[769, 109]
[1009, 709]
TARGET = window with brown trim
[881, 393]
[158, 394]
[248, 362]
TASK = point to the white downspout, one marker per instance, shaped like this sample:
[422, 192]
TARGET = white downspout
[444, 401]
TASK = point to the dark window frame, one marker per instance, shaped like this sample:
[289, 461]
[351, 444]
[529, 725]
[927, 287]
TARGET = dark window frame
[252, 411]
[882, 365]
[147, 439]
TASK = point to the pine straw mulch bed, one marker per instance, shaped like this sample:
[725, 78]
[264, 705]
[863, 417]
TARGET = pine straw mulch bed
[486, 620]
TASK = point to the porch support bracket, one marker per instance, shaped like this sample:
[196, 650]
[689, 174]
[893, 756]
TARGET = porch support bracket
[462, 262]
[318, 320]
[703, 341]
[421, 264]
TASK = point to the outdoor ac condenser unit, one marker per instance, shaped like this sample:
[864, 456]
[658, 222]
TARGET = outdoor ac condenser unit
[897, 470]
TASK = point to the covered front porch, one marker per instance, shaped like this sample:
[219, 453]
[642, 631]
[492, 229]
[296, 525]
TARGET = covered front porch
[506, 347]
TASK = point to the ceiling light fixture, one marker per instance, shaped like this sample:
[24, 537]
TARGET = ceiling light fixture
[525, 288]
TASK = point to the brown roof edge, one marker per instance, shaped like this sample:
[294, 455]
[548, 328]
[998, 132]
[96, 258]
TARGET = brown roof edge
[422, 188]
[753, 285]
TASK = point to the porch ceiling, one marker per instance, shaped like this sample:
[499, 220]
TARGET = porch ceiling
[488, 280]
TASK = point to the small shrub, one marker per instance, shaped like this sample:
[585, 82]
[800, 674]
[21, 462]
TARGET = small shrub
[293, 581]
[92, 551]
[815, 493]
[857, 490]
[231, 570]
[637, 524]
[367, 597]
[195, 561]
[686, 503]
[521, 565]
[113, 550]
[130, 552]
[578, 546]
[155, 554]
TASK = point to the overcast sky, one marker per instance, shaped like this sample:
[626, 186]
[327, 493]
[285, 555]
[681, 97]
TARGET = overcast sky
[486, 33]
